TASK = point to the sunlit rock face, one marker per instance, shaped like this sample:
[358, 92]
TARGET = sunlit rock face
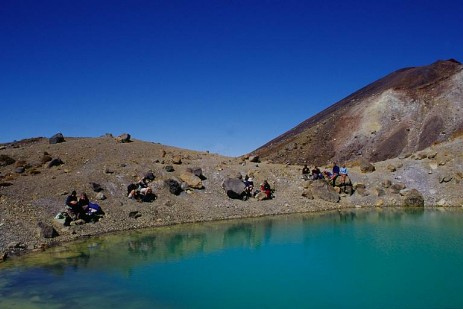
[404, 112]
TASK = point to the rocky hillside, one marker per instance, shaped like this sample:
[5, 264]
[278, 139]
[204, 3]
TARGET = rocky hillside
[36, 177]
[404, 112]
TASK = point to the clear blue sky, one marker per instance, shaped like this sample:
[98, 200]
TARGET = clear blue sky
[223, 76]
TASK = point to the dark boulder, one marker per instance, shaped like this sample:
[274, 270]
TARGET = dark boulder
[46, 230]
[324, 191]
[123, 138]
[234, 188]
[20, 170]
[197, 171]
[56, 139]
[6, 160]
[413, 198]
[149, 176]
[169, 168]
[46, 158]
[96, 187]
[55, 162]
[174, 186]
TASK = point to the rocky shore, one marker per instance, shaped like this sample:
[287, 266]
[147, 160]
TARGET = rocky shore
[36, 175]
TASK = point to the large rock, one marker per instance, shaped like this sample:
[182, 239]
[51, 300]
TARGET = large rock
[366, 167]
[46, 158]
[197, 171]
[149, 176]
[96, 187]
[56, 139]
[191, 180]
[261, 196]
[6, 160]
[234, 187]
[413, 198]
[177, 160]
[324, 191]
[169, 168]
[254, 159]
[396, 188]
[123, 138]
[174, 186]
[55, 162]
[46, 230]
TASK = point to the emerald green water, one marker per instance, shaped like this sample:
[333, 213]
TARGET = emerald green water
[350, 259]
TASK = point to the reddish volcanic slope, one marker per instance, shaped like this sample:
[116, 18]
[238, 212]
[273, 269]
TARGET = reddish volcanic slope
[403, 112]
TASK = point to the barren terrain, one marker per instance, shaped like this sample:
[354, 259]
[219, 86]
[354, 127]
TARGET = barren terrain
[31, 193]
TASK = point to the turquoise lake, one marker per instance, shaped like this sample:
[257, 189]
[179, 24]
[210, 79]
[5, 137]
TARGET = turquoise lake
[386, 258]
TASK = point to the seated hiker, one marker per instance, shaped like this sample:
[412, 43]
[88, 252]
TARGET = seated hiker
[143, 188]
[343, 173]
[249, 185]
[265, 187]
[316, 173]
[305, 172]
[335, 171]
[327, 175]
[74, 208]
[83, 201]
[132, 191]
[140, 191]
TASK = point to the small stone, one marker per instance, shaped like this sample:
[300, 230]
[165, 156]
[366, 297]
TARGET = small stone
[445, 179]
[100, 196]
[177, 160]
[386, 183]
[169, 168]
[134, 214]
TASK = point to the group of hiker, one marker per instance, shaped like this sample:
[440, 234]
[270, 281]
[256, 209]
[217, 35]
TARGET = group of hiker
[249, 188]
[80, 208]
[330, 176]
[141, 191]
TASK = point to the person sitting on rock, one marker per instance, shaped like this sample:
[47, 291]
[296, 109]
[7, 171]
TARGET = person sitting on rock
[265, 187]
[249, 186]
[305, 172]
[83, 201]
[316, 173]
[140, 191]
[132, 191]
[75, 211]
[327, 175]
[136, 190]
[343, 173]
[335, 171]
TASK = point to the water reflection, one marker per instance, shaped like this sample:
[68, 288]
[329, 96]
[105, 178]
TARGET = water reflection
[129, 250]
[316, 250]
